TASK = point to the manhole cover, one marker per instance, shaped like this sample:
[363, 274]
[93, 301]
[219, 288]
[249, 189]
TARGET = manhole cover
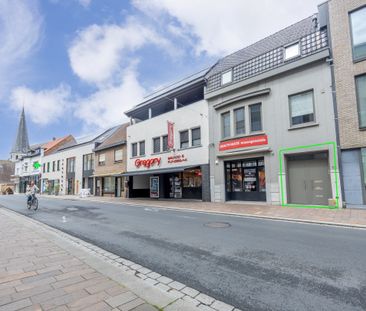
[217, 225]
[72, 209]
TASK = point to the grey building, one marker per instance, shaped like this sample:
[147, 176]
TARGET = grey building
[271, 118]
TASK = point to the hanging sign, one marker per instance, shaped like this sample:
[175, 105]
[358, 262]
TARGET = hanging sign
[154, 187]
[170, 135]
[244, 142]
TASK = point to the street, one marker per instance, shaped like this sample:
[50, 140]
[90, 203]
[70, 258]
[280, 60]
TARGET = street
[252, 264]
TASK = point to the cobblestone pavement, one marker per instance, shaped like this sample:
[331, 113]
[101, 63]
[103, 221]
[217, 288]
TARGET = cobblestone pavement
[42, 268]
[345, 216]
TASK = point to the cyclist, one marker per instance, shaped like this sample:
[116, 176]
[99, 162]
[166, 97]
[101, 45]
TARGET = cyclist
[31, 192]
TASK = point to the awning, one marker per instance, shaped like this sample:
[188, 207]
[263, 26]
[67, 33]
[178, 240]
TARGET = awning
[160, 171]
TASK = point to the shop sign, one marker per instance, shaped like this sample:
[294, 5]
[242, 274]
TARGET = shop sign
[244, 142]
[178, 158]
[170, 135]
[154, 187]
[147, 162]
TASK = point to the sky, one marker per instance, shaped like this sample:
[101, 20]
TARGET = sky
[77, 65]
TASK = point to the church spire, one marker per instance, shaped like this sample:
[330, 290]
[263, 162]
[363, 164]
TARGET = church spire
[21, 144]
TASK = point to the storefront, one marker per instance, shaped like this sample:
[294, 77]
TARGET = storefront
[245, 180]
[27, 180]
[109, 186]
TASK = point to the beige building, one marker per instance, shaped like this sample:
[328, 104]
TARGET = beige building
[110, 163]
[348, 38]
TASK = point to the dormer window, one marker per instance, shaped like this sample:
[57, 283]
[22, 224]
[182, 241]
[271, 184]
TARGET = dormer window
[226, 77]
[292, 51]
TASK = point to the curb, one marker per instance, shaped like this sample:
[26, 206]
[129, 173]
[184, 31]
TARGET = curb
[183, 209]
[181, 297]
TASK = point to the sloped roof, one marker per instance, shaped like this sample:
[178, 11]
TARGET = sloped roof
[118, 137]
[21, 144]
[283, 37]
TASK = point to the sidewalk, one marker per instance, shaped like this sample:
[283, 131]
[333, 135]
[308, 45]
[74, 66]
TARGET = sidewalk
[42, 268]
[342, 217]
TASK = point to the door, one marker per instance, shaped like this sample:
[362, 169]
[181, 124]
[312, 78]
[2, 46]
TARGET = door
[309, 179]
[118, 186]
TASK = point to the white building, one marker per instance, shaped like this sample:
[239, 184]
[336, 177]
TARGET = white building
[175, 165]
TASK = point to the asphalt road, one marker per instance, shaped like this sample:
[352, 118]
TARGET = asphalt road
[253, 264]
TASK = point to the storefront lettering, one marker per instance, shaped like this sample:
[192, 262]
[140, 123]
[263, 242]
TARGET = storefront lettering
[244, 142]
[148, 162]
[178, 158]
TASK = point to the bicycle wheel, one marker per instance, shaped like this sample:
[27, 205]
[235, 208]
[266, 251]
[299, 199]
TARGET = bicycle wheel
[35, 204]
[29, 204]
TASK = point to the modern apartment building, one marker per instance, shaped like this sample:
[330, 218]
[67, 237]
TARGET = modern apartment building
[110, 159]
[271, 120]
[167, 151]
[348, 39]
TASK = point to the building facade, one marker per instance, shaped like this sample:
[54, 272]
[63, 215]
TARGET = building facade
[348, 39]
[110, 163]
[167, 151]
[271, 117]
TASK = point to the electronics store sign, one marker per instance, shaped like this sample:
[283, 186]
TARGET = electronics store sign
[243, 142]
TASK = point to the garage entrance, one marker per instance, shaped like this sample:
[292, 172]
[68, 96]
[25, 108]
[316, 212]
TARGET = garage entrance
[308, 179]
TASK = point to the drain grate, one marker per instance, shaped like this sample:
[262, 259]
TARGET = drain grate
[217, 225]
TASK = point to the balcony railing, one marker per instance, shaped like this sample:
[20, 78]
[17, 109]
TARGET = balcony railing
[309, 44]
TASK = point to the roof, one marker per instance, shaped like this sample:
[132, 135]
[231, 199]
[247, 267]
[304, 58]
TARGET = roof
[283, 37]
[21, 144]
[53, 142]
[117, 138]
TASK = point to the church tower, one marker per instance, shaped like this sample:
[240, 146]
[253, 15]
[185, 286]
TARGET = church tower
[21, 144]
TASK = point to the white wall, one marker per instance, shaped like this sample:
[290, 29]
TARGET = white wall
[185, 118]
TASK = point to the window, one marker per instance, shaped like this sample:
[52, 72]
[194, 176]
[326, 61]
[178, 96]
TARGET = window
[361, 99]
[142, 148]
[156, 144]
[48, 167]
[58, 165]
[26, 167]
[53, 166]
[118, 155]
[239, 121]
[88, 162]
[255, 117]
[196, 136]
[184, 140]
[44, 167]
[165, 143]
[101, 159]
[358, 29]
[226, 77]
[225, 123]
[302, 108]
[134, 149]
[292, 51]
[70, 165]
[108, 184]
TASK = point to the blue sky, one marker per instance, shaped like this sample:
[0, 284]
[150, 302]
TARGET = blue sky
[77, 65]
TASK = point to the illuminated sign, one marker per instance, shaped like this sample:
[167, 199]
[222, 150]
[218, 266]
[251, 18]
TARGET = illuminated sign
[244, 142]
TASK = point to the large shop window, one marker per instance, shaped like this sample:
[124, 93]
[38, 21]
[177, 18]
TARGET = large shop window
[358, 28]
[302, 108]
[108, 185]
[245, 179]
[239, 115]
[192, 178]
[184, 139]
[196, 136]
[156, 144]
[225, 124]
[255, 117]
[361, 99]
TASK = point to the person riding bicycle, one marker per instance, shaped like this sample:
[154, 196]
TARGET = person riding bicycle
[31, 192]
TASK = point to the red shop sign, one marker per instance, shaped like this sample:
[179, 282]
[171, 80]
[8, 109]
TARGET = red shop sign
[147, 162]
[244, 142]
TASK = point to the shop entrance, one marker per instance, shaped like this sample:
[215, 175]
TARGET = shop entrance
[245, 180]
[308, 179]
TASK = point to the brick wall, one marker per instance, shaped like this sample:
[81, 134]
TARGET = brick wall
[345, 71]
[110, 166]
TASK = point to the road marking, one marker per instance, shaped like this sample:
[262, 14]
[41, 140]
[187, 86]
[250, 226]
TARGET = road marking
[64, 219]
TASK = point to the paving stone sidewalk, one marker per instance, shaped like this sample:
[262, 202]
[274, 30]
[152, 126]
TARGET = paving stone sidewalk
[36, 274]
[344, 216]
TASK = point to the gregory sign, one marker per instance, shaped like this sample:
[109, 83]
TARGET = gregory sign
[147, 162]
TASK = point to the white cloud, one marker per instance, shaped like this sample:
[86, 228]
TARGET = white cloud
[99, 52]
[221, 27]
[43, 107]
[20, 33]
[85, 3]
[105, 107]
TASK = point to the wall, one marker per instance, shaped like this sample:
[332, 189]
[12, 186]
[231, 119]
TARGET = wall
[110, 167]
[345, 71]
[276, 123]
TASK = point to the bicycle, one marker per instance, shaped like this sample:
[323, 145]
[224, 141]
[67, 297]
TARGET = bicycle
[33, 202]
